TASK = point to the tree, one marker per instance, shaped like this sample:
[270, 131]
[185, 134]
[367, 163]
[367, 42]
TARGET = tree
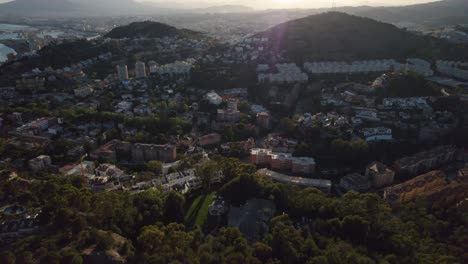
[149, 205]
[206, 172]
[286, 240]
[174, 207]
[240, 189]
[355, 228]
[352, 153]
[287, 126]
[72, 257]
[155, 166]
[263, 251]
[7, 257]
[228, 134]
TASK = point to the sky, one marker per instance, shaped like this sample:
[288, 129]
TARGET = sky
[268, 4]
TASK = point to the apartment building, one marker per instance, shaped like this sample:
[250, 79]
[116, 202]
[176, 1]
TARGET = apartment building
[282, 161]
[122, 72]
[426, 160]
[140, 69]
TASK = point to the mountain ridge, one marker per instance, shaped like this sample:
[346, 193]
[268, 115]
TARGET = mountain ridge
[150, 29]
[340, 36]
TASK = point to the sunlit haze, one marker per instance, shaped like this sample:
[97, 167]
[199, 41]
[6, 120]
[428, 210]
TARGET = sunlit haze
[267, 4]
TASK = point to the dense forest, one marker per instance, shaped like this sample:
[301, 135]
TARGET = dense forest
[80, 226]
[149, 29]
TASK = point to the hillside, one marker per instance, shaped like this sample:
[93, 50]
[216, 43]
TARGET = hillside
[150, 29]
[339, 36]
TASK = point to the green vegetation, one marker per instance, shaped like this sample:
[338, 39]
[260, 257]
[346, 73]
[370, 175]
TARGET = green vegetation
[197, 214]
[146, 227]
[70, 52]
[408, 85]
[149, 29]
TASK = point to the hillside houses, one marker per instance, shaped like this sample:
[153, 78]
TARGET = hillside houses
[456, 69]
[286, 73]
[370, 66]
[178, 68]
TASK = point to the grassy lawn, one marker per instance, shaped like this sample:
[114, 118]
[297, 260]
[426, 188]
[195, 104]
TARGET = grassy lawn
[198, 211]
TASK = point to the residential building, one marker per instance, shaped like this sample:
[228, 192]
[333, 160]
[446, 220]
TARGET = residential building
[379, 174]
[279, 144]
[36, 83]
[152, 66]
[83, 92]
[426, 160]
[147, 152]
[122, 72]
[40, 163]
[168, 166]
[303, 165]
[108, 170]
[210, 139]
[260, 156]
[263, 120]
[235, 92]
[377, 134]
[140, 69]
[240, 147]
[213, 98]
[282, 161]
[286, 73]
[115, 150]
[456, 69]
[7, 93]
[323, 185]
[38, 126]
[231, 114]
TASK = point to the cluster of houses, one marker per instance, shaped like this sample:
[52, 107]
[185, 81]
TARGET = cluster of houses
[246, 51]
[286, 73]
[455, 69]
[360, 110]
[423, 183]
[43, 126]
[360, 67]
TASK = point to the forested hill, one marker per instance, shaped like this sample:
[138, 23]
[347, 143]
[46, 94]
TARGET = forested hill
[339, 36]
[150, 29]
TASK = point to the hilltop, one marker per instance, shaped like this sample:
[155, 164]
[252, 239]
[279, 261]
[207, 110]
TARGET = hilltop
[339, 36]
[150, 29]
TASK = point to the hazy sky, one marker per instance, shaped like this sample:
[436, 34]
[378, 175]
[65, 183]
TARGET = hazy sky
[265, 4]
